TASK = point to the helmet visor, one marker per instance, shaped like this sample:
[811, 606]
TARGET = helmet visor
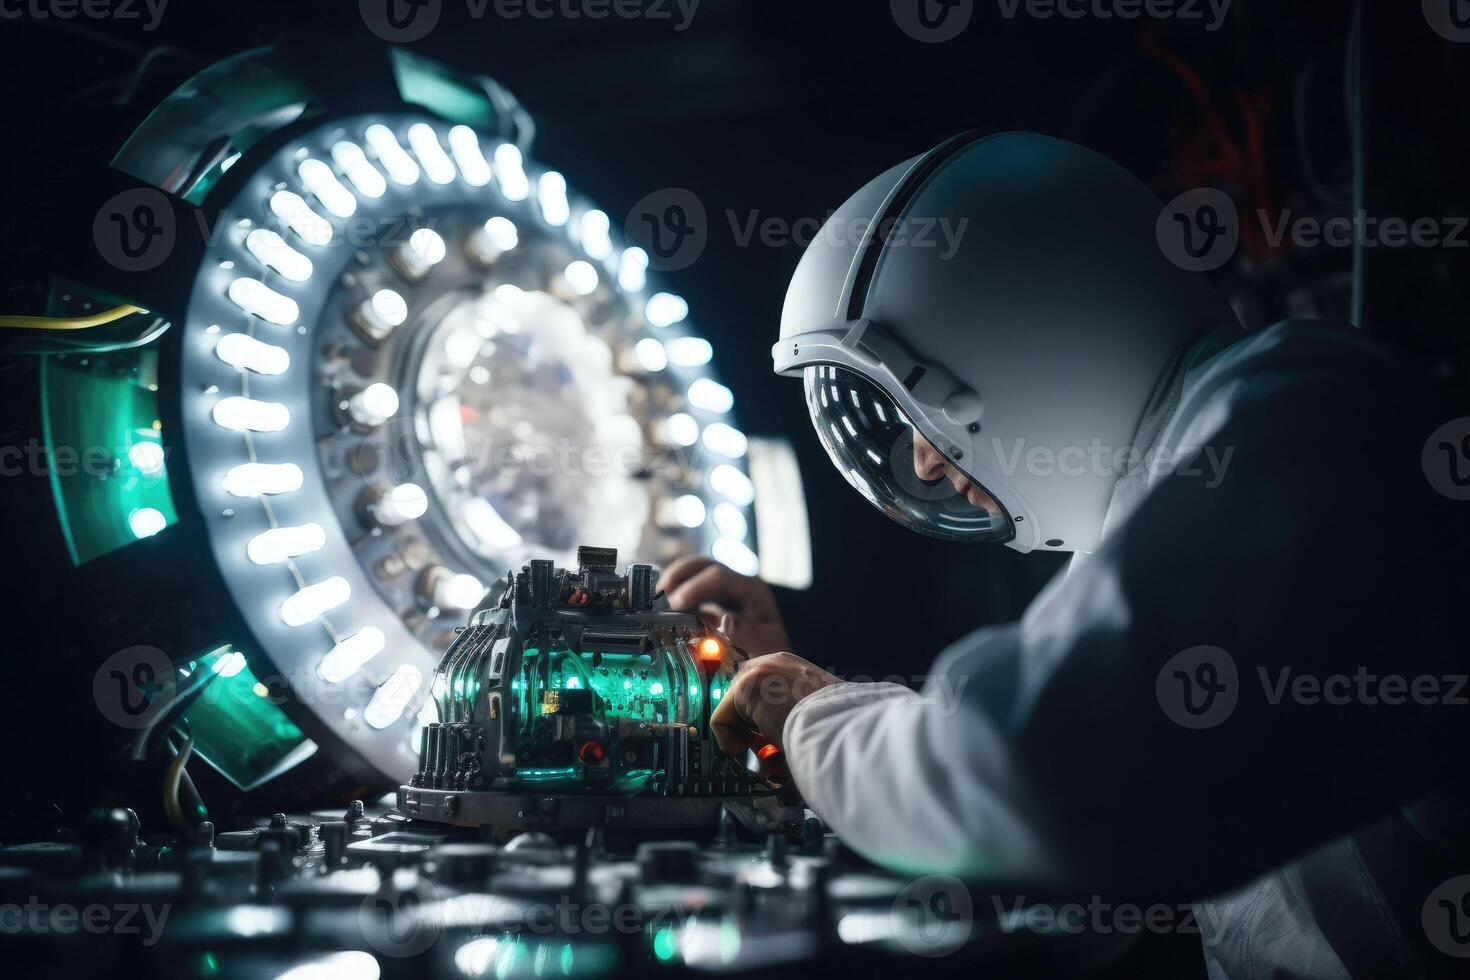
[874, 446]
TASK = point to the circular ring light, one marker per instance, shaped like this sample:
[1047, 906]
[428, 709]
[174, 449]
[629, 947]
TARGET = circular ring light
[411, 361]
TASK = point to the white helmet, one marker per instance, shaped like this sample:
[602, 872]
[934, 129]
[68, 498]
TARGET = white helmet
[1007, 297]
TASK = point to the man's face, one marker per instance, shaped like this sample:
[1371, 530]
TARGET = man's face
[930, 465]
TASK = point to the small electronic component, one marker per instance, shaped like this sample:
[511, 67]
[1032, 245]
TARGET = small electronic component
[579, 698]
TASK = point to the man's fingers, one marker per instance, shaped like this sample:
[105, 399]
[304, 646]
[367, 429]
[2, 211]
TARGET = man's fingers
[732, 727]
[775, 769]
[716, 616]
[714, 583]
[682, 571]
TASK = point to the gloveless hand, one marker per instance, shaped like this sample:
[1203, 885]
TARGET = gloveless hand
[742, 607]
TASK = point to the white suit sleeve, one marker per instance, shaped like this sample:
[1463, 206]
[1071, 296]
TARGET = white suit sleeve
[913, 780]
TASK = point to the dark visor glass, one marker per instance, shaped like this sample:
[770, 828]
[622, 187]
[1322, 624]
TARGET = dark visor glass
[872, 444]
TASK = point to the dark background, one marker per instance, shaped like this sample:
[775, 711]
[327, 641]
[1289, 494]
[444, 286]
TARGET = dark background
[782, 109]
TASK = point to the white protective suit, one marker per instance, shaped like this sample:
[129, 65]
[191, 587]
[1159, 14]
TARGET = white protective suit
[1289, 523]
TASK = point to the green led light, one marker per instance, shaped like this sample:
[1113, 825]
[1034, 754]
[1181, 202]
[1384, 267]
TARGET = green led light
[566, 773]
[664, 946]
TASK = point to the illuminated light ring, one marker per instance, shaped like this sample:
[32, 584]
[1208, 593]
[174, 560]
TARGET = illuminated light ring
[334, 712]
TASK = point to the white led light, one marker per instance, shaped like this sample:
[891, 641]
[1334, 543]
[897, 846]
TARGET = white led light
[244, 353]
[436, 162]
[249, 415]
[424, 249]
[352, 964]
[582, 277]
[680, 429]
[347, 657]
[651, 354]
[462, 348]
[258, 299]
[689, 510]
[551, 194]
[390, 700]
[229, 664]
[594, 234]
[730, 521]
[460, 592]
[509, 171]
[309, 226]
[711, 396]
[733, 485]
[146, 522]
[373, 405]
[401, 504]
[391, 155]
[320, 180]
[690, 351]
[633, 270]
[725, 440]
[281, 543]
[382, 312]
[315, 601]
[355, 165]
[271, 250]
[497, 236]
[728, 551]
[147, 458]
[465, 146]
[255, 479]
[665, 309]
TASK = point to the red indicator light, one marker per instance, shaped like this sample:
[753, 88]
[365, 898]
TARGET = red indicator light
[591, 753]
[766, 751]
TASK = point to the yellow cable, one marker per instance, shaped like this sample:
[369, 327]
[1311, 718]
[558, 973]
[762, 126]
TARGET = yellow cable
[172, 777]
[70, 323]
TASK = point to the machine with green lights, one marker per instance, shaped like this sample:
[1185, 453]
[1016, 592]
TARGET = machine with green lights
[579, 698]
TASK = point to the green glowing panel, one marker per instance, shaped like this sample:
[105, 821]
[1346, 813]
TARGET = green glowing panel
[436, 88]
[238, 729]
[104, 453]
[564, 700]
[630, 686]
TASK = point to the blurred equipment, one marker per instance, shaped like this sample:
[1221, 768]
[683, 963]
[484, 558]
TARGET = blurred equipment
[363, 894]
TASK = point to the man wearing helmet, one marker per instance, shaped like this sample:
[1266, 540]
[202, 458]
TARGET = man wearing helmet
[1165, 720]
